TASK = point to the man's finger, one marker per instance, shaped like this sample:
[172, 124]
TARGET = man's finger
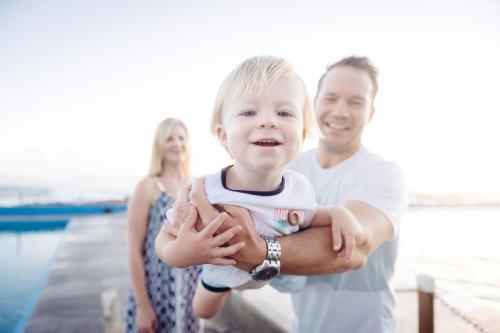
[212, 227]
[228, 250]
[226, 235]
[236, 211]
[198, 197]
[222, 261]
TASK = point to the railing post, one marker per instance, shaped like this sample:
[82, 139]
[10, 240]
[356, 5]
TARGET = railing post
[425, 287]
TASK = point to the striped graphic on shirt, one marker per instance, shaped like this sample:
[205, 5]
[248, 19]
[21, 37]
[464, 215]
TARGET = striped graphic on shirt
[290, 216]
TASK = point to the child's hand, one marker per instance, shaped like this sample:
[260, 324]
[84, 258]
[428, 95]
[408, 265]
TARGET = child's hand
[194, 248]
[346, 231]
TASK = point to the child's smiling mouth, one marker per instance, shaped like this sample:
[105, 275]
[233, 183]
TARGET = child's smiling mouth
[267, 142]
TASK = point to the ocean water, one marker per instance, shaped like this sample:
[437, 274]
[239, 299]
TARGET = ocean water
[459, 247]
[16, 194]
[25, 258]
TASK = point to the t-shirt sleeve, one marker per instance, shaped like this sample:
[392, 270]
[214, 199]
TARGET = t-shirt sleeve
[384, 188]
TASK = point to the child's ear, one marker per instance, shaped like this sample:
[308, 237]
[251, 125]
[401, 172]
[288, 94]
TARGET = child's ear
[222, 136]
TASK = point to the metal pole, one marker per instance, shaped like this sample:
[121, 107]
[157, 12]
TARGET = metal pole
[426, 288]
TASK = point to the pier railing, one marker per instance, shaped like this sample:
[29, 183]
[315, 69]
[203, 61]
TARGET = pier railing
[252, 318]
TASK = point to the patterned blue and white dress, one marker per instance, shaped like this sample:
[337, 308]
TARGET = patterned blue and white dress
[171, 290]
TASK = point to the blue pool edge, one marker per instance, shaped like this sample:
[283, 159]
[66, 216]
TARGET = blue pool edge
[30, 306]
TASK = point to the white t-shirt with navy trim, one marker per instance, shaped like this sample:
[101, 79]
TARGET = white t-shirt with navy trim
[358, 301]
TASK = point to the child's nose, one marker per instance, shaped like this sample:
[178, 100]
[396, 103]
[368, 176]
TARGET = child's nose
[268, 121]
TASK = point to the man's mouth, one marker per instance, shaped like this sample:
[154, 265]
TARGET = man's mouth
[336, 126]
[267, 142]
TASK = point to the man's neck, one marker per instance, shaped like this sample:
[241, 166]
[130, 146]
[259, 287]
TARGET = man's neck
[328, 158]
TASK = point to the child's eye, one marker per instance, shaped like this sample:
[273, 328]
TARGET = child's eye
[285, 113]
[248, 113]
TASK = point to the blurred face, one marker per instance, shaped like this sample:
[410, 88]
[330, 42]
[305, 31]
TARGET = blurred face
[343, 108]
[263, 131]
[174, 149]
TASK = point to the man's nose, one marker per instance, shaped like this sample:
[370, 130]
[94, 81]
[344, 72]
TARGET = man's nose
[340, 109]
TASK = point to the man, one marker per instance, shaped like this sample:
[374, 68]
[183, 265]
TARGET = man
[343, 172]
[339, 295]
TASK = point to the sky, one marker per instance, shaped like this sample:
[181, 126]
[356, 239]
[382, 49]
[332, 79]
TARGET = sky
[83, 84]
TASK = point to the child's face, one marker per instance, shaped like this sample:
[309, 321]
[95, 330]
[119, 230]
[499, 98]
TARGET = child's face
[263, 131]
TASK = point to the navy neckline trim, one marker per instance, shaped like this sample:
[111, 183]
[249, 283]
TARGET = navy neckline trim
[280, 188]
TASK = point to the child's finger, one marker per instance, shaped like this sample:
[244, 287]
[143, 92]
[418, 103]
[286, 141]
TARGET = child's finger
[226, 235]
[337, 240]
[181, 206]
[212, 227]
[349, 245]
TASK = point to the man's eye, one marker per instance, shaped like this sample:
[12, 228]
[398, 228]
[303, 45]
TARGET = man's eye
[356, 103]
[248, 113]
[285, 113]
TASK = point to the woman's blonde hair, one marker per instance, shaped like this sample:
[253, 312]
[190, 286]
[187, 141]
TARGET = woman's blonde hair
[163, 131]
[254, 75]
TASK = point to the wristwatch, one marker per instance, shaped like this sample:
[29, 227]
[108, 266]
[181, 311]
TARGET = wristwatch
[270, 267]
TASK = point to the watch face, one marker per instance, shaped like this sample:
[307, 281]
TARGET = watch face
[266, 273]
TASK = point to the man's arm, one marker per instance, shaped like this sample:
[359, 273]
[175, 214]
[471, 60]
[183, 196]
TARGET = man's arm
[309, 252]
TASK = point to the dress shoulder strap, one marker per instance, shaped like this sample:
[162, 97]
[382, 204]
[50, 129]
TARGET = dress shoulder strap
[158, 184]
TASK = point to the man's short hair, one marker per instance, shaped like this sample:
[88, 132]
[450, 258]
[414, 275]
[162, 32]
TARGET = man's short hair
[253, 75]
[362, 63]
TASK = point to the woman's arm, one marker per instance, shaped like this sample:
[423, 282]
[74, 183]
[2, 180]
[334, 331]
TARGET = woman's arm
[137, 216]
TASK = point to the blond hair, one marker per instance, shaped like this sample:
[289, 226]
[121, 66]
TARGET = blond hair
[253, 75]
[163, 131]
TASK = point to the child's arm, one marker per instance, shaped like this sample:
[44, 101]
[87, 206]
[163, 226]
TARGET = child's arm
[345, 228]
[194, 248]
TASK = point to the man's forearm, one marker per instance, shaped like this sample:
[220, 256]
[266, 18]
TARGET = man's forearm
[310, 252]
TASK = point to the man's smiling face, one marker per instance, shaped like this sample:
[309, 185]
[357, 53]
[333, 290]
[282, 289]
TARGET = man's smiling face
[343, 108]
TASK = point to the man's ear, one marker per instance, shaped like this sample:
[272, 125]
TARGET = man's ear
[372, 111]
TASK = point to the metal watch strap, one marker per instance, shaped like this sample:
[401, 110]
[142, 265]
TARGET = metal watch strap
[273, 249]
[270, 267]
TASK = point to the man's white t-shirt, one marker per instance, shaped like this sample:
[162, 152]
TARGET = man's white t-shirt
[358, 301]
[269, 210]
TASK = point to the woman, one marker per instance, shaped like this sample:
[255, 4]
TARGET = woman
[161, 297]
